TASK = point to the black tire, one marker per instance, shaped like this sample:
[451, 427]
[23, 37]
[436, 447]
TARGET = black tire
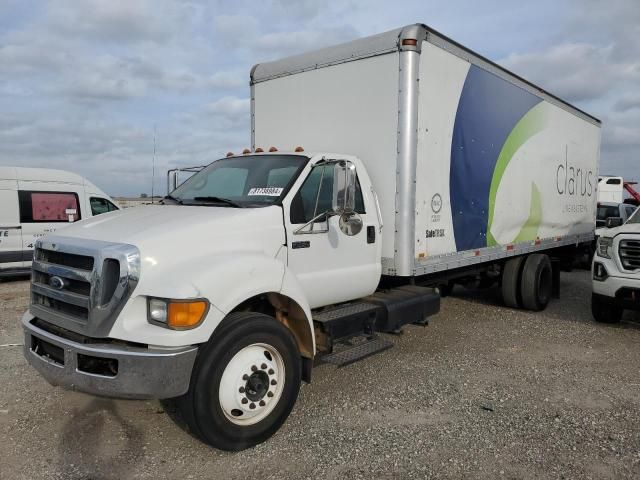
[445, 289]
[604, 311]
[201, 407]
[537, 282]
[511, 273]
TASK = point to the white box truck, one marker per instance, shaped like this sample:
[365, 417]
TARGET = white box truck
[430, 164]
[38, 201]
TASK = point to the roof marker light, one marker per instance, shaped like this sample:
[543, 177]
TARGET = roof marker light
[273, 149]
[229, 154]
[410, 42]
[259, 150]
[299, 149]
[246, 151]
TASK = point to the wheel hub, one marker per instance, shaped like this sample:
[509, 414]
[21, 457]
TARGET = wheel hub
[257, 386]
[252, 384]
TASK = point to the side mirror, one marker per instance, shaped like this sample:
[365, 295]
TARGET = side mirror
[613, 222]
[344, 188]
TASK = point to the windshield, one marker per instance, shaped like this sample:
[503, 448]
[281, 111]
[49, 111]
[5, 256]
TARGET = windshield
[635, 218]
[247, 181]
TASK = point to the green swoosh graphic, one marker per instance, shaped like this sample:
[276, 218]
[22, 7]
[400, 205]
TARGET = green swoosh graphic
[529, 230]
[531, 123]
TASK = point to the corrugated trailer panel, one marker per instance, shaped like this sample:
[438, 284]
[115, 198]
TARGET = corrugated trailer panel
[349, 108]
[499, 169]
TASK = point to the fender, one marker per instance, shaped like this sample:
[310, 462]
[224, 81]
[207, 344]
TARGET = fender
[225, 280]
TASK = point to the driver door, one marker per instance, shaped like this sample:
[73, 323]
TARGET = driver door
[330, 265]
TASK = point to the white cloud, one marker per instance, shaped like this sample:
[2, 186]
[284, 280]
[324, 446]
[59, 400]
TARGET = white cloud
[83, 83]
[230, 107]
[573, 71]
[627, 103]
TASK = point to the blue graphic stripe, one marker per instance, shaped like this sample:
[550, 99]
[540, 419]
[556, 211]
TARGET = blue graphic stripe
[488, 110]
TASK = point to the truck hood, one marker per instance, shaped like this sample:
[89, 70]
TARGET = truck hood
[180, 231]
[631, 228]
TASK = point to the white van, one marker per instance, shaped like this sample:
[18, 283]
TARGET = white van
[38, 201]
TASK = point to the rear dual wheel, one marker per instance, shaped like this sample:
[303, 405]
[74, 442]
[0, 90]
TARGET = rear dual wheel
[244, 383]
[527, 282]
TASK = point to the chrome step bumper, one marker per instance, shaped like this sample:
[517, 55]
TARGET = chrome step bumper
[108, 370]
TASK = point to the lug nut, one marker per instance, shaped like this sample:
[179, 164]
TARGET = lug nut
[252, 406]
[271, 372]
[245, 377]
[262, 404]
[273, 382]
[241, 390]
[245, 401]
[269, 394]
[263, 366]
[253, 368]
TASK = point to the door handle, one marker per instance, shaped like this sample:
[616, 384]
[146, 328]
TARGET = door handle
[300, 244]
[371, 234]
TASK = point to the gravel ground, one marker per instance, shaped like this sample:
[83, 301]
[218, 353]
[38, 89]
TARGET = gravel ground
[483, 392]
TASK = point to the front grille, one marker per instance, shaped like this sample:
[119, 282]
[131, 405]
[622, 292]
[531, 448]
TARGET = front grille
[629, 251]
[80, 285]
[81, 262]
[72, 299]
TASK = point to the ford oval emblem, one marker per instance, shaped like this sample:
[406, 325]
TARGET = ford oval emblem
[57, 282]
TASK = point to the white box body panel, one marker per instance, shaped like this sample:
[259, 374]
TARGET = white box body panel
[350, 108]
[496, 165]
[501, 166]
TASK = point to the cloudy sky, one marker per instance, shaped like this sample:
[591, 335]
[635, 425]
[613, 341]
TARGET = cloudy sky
[83, 83]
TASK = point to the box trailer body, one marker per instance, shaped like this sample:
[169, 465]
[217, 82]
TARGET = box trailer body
[470, 162]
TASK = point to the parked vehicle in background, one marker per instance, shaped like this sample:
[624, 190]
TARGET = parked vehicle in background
[38, 201]
[263, 261]
[608, 210]
[610, 189]
[616, 270]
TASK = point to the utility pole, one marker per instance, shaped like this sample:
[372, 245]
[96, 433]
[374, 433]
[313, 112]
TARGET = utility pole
[153, 163]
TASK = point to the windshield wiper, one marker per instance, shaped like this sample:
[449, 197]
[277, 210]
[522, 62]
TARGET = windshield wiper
[225, 201]
[170, 197]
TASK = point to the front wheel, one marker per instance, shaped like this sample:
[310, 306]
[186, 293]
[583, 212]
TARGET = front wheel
[604, 311]
[244, 384]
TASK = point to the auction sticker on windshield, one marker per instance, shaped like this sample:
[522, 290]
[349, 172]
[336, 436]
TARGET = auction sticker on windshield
[266, 191]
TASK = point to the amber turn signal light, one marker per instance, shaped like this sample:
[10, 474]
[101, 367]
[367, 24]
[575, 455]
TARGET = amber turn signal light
[184, 315]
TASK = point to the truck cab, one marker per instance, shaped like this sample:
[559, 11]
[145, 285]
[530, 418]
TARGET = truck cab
[616, 270]
[222, 296]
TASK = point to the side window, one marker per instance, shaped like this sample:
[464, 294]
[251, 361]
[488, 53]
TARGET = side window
[303, 204]
[101, 205]
[48, 207]
[98, 206]
[630, 210]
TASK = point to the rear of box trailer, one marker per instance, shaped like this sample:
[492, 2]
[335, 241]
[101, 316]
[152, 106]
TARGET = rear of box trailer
[471, 163]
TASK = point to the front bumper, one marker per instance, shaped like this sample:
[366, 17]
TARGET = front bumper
[106, 369]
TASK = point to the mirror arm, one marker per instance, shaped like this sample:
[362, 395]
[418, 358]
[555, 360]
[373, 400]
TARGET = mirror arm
[315, 208]
[378, 210]
[298, 231]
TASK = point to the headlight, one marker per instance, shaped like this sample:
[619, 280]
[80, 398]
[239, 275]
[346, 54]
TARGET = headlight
[176, 314]
[604, 247]
[158, 310]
